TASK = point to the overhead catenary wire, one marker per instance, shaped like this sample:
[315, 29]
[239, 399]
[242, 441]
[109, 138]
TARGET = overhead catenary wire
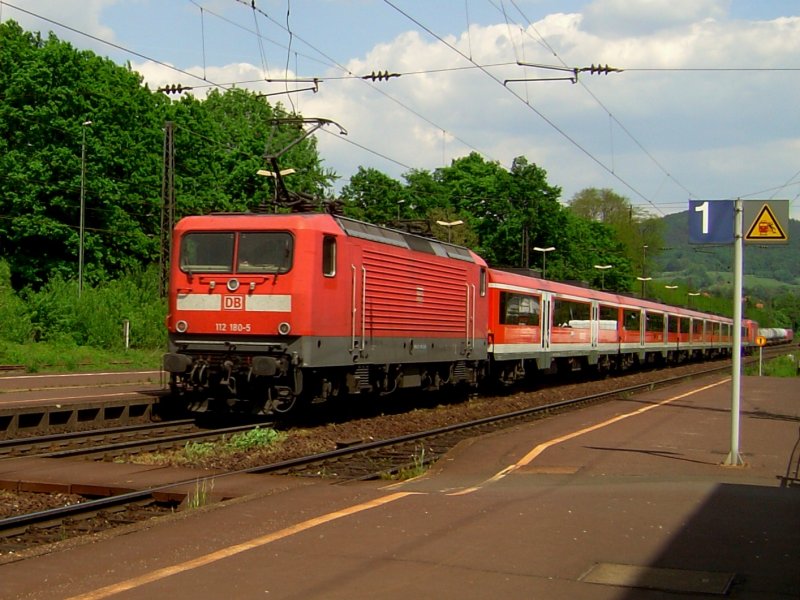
[111, 44]
[546, 119]
[611, 116]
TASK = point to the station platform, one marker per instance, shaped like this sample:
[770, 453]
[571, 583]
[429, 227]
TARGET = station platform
[625, 500]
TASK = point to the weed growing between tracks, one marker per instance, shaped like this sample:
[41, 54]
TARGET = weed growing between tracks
[208, 454]
[417, 467]
[201, 494]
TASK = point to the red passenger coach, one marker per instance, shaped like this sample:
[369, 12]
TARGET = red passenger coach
[537, 324]
[266, 309]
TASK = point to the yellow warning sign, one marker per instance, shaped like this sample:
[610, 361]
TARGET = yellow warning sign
[765, 227]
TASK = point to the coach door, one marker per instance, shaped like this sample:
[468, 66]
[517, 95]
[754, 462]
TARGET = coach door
[595, 323]
[546, 320]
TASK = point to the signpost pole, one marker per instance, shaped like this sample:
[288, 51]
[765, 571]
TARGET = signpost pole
[734, 458]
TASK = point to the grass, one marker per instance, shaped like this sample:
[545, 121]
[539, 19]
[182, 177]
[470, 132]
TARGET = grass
[415, 469]
[200, 495]
[783, 366]
[199, 453]
[59, 357]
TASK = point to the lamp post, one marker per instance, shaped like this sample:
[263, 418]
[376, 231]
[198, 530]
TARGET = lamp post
[399, 204]
[671, 287]
[644, 270]
[449, 225]
[84, 125]
[689, 298]
[644, 281]
[602, 269]
[544, 252]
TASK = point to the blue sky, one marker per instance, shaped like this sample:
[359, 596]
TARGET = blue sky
[706, 106]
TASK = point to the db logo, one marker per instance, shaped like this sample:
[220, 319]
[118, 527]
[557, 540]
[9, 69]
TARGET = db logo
[233, 303]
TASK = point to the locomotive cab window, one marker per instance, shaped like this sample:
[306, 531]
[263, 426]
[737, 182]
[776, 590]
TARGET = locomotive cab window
[265, 252]
[207, 252]
[329, 256]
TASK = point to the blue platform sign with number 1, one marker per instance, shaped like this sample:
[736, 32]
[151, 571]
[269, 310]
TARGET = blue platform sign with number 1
[711, 221]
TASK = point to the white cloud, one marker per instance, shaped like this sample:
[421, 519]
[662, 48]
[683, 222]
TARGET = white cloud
[718, 133]
[645, 17]
[59, 12]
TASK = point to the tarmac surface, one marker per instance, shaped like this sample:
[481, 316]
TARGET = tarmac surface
[626, 500]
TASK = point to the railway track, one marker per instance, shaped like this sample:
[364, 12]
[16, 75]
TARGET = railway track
[355, 461]
[108, 444]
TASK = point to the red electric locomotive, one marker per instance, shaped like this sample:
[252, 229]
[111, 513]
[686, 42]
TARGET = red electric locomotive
[266, 309]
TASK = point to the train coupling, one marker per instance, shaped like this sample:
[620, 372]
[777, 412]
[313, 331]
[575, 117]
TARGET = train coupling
[176, 363]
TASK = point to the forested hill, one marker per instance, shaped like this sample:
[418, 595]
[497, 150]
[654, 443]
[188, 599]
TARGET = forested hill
[764, 266]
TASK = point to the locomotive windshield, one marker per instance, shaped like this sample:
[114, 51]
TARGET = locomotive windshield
[258, 252]
[264, 252]
[207, 252]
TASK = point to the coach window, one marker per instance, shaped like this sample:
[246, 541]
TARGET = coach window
[654, 323]
[672, 324]
[518, 309]
[697, 326]
[571, 314]
[608, 317]
[685, 322]
[329, 256]
[630, 320]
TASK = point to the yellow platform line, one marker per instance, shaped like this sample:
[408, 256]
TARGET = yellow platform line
[533, 454]
[212, 557]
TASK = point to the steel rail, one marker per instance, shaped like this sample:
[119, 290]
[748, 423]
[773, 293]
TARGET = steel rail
[22, 521]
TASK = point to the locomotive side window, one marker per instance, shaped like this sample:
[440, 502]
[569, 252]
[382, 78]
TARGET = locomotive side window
[207, 252]
[265, 252]
[483, 282]
[518, 309]
[329, 256]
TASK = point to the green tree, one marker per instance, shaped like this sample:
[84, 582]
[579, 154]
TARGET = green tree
[373, 197]
[640, 234]
[69, 117]
[220, 144]
[49, 92]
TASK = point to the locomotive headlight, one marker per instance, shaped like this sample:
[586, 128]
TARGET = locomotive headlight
[181, 326]
[284, 328]
[233, 284]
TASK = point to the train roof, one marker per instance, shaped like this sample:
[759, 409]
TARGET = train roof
[330, 223]
[526, 282]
